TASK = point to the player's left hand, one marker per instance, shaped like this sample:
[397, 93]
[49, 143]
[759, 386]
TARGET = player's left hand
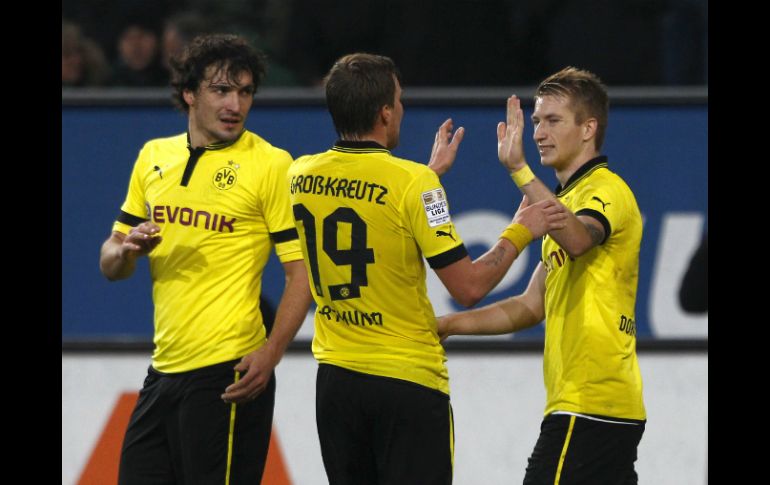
[445, 146]
[509, 135]
[256, 369]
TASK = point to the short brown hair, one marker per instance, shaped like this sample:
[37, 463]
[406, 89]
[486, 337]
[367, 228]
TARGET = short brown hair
[586, 94]
[357, 87]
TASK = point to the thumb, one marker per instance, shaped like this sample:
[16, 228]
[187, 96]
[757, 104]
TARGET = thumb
[500, 131]
[241, 366]
[524, 203]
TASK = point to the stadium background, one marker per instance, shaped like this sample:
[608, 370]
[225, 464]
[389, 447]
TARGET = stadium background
[657, 140]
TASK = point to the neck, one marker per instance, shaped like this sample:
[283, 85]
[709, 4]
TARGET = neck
[375, 135]
[563, 174]
[197, 137]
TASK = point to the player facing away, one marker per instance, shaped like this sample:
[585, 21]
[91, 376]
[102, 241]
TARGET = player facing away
[366, 220]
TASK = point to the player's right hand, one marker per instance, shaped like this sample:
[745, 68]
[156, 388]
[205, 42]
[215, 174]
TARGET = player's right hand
[141, 240]
[541, 217]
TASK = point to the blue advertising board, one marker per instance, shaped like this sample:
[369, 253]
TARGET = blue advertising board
[661, 151]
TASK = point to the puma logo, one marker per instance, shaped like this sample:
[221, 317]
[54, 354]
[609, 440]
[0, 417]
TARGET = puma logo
[600, 201]
[440, 233]
[157, 169]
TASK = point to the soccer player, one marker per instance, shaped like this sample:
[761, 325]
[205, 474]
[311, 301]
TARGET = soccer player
[584, 286]
[206, 207]
[366, 219]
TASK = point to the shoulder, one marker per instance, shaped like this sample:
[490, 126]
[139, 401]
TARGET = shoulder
[169, 142]
[264, 155]
[263, 148]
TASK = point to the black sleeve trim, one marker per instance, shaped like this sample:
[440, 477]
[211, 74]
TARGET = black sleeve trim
[599, 217]
[284, 236]
[448, 257]
[130, 220]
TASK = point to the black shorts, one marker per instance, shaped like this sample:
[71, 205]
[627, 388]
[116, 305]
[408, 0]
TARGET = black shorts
[182, 432]
[384, 431]
[575, 450]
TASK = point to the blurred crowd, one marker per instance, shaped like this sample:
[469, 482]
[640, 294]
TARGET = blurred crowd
[128, 43]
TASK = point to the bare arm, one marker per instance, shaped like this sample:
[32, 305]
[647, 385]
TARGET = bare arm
[258, 365]
[579, 234]
[468, 282]
[506, 316]
[119, 252]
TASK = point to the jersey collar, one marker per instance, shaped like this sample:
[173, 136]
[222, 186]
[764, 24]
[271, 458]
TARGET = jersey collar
[353, 146]
[585, 169]
[217, 145]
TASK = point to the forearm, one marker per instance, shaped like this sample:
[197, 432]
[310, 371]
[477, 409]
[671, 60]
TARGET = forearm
[114, 263]
[502, 317]
[291, 312]
[469, 281]
[574, 238]
[489, 268]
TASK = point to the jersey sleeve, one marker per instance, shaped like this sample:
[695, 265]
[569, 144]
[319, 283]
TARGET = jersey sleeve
[426, 206]
[278, 211]
[134, 210]
[605, 202]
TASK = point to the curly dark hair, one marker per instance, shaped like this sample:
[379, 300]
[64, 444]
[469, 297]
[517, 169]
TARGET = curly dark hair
[223, 51]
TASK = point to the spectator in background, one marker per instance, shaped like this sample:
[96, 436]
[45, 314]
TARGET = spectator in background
[82, 60]
[694, 290]
[178, 31]
[139, 61]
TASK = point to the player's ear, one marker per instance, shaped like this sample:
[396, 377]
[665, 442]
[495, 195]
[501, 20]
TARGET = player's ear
[386, 114]
[589, 128]
[189, 96]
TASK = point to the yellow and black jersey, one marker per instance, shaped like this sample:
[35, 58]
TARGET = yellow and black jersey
[366, 219]
[590, 362]
[221, 209]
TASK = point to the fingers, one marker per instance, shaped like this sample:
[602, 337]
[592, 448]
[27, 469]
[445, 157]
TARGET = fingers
[510, 111]
[457, 137]
[444, 130]
[246, 389]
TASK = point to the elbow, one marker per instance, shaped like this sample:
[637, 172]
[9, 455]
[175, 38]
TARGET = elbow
[575, 251]
[110, 277]
[109, 272]
[469, 297]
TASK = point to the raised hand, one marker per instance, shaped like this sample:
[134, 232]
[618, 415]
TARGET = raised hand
[445, 146]
[509, 136]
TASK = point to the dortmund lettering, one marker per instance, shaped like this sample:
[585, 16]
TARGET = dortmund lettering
[627, 325]
[351, 317]
[339, 187]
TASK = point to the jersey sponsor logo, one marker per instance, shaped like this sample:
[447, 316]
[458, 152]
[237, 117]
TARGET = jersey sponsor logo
[186, 216]
[351, 317]
[226, 177]
[440, 233]
[601, 202]
[627, 325]
[339, 187]
[556, 259]
[436, 207]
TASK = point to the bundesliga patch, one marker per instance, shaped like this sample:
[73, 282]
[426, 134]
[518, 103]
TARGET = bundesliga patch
[436, 207]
